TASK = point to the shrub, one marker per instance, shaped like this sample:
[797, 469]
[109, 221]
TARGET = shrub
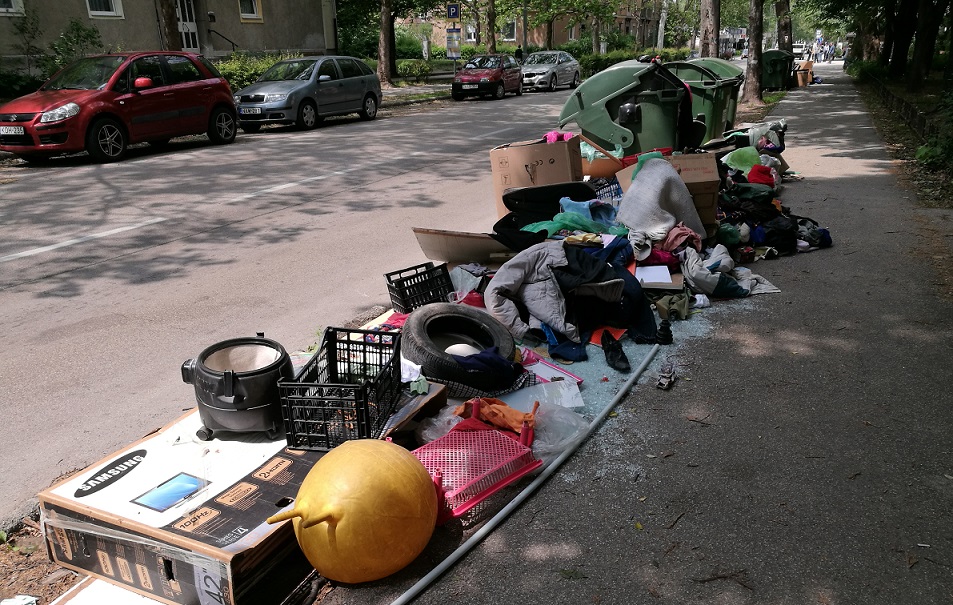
[408, 46]
[414, 68]
[15, 84]
[242, 69]
[76, 41]
[577, 48]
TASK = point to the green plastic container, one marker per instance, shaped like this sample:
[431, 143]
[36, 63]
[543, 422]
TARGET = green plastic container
[710, 96]
[734, 75]
[633, 105]
[776, 68]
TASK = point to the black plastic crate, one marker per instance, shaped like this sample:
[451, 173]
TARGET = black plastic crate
[418, 285]
[347, 390]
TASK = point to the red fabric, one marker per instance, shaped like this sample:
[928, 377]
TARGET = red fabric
[473, 299]
[661, 257]
[761, 175]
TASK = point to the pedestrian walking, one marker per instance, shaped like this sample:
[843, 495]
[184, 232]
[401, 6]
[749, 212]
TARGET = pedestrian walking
[519, 54]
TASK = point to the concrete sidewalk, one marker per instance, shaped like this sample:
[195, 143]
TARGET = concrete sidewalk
[804, 456]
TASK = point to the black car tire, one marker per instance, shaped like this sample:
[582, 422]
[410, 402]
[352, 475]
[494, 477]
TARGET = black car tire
[250, 128]
[369, 107]
[575, 80]
[307, 115]
[500, 91]
[430, 328]
[222, 126]
[552, 84]
[519, 90]
[106, 140]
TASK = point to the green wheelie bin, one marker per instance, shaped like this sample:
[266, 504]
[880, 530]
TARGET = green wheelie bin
[710, 96]
[633, 105]
[776, 68]
[734, 75]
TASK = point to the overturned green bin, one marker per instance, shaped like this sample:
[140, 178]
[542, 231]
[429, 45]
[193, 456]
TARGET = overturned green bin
[776, 68]
[710, 96]
[733, 76]
[633, 105]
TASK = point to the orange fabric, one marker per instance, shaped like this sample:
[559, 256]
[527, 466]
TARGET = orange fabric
[495, 412]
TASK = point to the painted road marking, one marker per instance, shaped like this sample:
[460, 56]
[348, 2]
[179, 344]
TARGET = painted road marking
[79, 240]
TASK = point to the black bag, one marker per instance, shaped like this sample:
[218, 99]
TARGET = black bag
[811, 232]
[781, 233]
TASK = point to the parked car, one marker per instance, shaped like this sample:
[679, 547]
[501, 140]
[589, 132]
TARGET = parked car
[102, 104]
[799, 49]
[485, 75]
[306, 90]
[545, 70]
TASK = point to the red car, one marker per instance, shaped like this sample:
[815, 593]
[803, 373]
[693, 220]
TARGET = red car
[485, 75]
[102, 104]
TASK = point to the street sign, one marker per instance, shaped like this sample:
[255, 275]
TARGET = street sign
[453, 11]
[453, 43]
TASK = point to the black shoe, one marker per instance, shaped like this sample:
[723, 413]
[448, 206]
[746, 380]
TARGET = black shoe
[615, 356]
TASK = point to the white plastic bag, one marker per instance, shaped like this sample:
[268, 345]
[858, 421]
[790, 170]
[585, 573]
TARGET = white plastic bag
[557, 428]
[435, 427]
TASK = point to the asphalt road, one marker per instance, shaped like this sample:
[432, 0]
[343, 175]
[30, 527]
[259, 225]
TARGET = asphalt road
[111, 276]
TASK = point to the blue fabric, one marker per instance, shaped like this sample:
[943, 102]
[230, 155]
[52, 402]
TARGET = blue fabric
[489, 362]
[561, 347]
[593, 210]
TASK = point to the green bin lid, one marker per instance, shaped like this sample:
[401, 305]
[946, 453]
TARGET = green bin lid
[725, 69]
[692, 72]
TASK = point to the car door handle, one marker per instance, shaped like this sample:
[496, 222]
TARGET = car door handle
[168, 94]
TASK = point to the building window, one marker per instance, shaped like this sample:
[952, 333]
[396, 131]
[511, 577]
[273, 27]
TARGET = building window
[104, 8]
[11, 8]
[250, 10]
[572, 32]
[508, 32]
[471, 33]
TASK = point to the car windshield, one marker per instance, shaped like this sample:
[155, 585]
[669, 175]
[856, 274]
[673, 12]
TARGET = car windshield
[541, 59]
[86, 74]
[483, 63]
[288, 70]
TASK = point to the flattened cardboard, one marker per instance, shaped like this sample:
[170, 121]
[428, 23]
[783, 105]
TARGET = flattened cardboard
[457, 247]
[183, 520]
[529, 163]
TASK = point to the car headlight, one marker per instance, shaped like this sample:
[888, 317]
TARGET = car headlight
[60, 113]
[238, 98]
[274, 97]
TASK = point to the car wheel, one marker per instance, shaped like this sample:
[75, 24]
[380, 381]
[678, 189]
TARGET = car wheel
[552, 84]
[222, 126]
[575, 80]
[431, 329]
[307, 115]
[106, 140]
[250, 128]
[500, 91]
[369, 108]
[519, 91]
[457, 96]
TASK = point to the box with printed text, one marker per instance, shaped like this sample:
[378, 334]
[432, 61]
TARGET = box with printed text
[530, 163]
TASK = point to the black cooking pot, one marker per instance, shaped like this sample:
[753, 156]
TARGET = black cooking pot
[236, 385]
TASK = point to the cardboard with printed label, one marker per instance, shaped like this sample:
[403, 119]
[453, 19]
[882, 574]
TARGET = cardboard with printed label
[182, 520]
[530, 163]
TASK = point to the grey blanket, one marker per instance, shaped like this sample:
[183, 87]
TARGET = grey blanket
[657, 201]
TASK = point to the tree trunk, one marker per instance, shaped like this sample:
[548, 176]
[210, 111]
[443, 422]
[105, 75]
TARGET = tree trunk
[169, 25]
[384, 50]
[550, 35]
[929, 18]
[752, 89]
[491, 26]
[595, 36]
[890, 21]
[709, 33]
[905, 27]
[663, 16]
[393, 46]
[782, 10]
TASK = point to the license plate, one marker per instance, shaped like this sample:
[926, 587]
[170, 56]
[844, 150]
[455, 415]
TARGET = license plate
[469, 86]
[12, 130]
[249, 110]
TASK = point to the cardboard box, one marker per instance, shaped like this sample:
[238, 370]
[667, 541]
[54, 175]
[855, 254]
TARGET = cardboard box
[456, 247]
[699, 171]
[183, 520]
[528, 163]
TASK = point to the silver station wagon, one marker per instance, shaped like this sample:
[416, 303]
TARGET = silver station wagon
[303, 91]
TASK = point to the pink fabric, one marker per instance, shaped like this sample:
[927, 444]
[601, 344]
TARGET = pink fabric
[662, 257]
[554, 136]
[679, 237]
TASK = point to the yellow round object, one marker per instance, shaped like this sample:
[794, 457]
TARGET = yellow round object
[365, 511]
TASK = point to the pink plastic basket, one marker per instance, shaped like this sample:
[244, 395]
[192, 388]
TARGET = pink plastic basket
[469, 466]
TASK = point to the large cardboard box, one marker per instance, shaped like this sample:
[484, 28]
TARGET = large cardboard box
[183, 520]
[529, 163]
[699, 171]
